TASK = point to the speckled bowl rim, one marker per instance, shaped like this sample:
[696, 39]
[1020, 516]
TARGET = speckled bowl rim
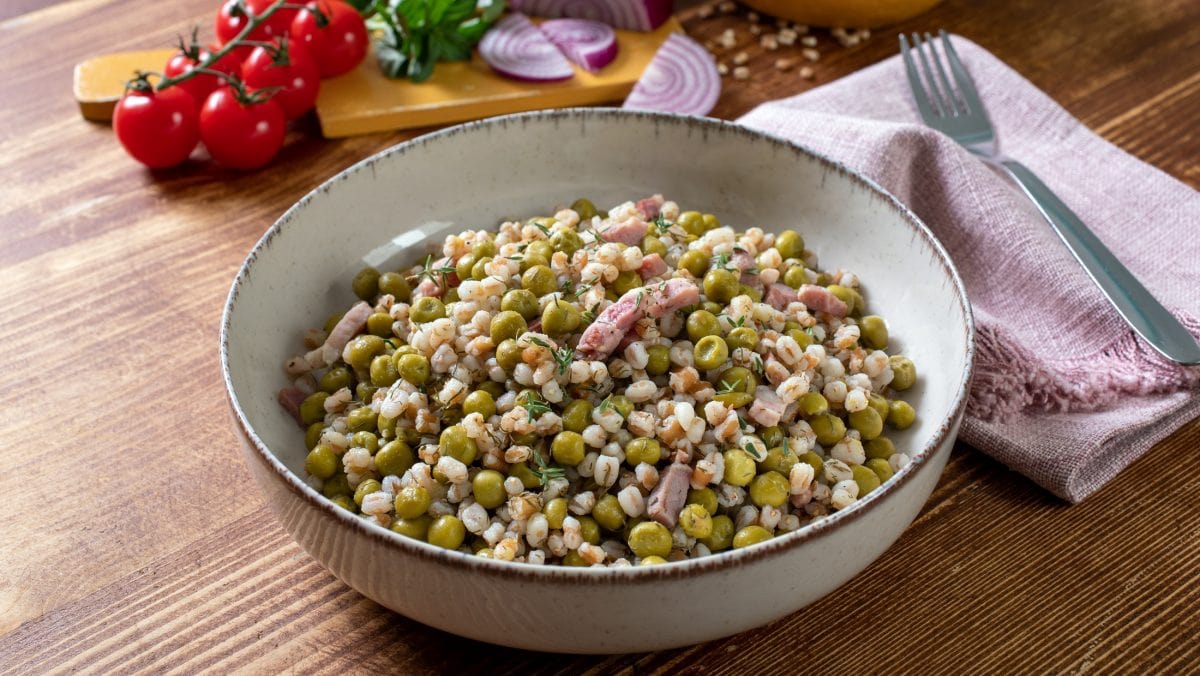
[633, 574]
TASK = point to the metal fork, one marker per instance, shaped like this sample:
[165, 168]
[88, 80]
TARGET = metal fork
[960, 115]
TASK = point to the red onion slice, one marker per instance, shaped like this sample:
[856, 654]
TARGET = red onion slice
[681, 78]
[634, 15]
[515, 48]
[591, 45]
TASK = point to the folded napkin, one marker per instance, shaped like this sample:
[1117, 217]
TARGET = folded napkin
[1064, 392]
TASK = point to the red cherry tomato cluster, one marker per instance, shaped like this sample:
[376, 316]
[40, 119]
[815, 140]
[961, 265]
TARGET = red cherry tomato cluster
[239, 105]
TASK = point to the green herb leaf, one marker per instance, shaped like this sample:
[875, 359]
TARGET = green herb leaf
[412, 36]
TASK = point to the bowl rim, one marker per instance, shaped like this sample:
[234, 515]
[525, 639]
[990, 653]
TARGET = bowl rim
[572, 575]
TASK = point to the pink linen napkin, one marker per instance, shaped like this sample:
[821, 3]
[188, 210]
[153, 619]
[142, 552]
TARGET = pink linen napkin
[1064, 392]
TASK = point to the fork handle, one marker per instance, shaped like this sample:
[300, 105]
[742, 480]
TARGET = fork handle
[1137, 306]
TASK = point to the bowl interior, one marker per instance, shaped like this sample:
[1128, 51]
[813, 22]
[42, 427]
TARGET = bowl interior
[394, 208]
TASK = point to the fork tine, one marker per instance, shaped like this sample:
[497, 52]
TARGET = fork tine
[951, 100]
[934, 94]
[966, 86]
[914, 81]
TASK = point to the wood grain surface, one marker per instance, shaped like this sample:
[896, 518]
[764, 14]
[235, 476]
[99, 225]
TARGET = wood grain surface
[136, 541]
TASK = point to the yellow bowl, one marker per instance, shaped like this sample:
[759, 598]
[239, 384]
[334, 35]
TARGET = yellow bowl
[843, 13]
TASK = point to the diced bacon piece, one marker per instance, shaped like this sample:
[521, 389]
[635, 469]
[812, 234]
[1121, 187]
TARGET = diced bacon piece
[820, 299]
[628, 232]
[652, 266]
[291, 398]
[767, 408]
[650, 207]
[742, 260]
[605, 334]
[780, 295]
[350, 325]
[669, 496]
[429, 286]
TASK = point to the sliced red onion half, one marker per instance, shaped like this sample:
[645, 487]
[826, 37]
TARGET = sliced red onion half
[681, 78]
[634, 15]
[515, 48]
[591, 45]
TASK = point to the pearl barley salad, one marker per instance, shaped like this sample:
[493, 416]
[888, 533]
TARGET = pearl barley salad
[615, 388]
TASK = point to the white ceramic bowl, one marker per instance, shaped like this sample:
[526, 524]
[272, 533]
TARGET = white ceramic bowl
[521, 165]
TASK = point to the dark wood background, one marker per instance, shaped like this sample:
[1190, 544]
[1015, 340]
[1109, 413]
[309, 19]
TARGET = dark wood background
[135, 539]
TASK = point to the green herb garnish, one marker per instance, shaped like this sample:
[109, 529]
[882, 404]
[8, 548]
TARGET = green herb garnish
[413, 35]
[544, 472]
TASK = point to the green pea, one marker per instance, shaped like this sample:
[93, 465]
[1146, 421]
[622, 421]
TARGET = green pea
[555, 511]
[414, 368]
[866, 479]
[755, 294]
[722, 534]
[720, 285]
[880, 448]
[427, 309]
[860, 305]
[508, 354]
[621, 404]
[739, 379]
[380, 324]
[650, 538]
[795, 276]
[560, 318]
[904, 372]
[383, 371]
[321, 462]
[362, 419]
[642, 450]
[769, 488]
[694, 262]
[455, 443]
[479, 269]
[844, 294]
[507, 325]
[540, 280]
[488, 488]
[627, 281]
[750, 535]
[585, 209]
[589, 529]
[493, 388]
[653, 245]
[881, 468]
[412, 501]
[879, 403]
[790, 244]
[652, 561]
[695, 521]
[566, 241]
[711, 222]
[813, 404]
[312, 435]
[528, 478]
[780, 460]
[345, 502]
[772, 436]
[481, 402]
[484, 248]
[710, 353]
[702, 323]
[711, 307]
[734, 399]
[659, 360]
[739, 467]
[567, 448]
[394, 459]
[575, 560]
[521, 301]
[829, 428]
[335, 379]
[901, 415]
[463, 267]
[577, 415]
[802, 338]
[336, 485]
[395, 285]
[692, 222]
[531, 260]
[742, 336]
[367, 440]
[608, 513]
[874, 332]
[447, 532]
[416, 528]
[867, 422]
[364, 489]
[366, 283]
[705, 497]
[540, 248]
[365, 391]
[312, 409]
[362, 349]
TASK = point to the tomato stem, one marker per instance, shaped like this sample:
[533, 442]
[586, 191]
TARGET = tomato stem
[204, 66]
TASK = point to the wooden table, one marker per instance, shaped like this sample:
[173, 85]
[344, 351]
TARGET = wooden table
[135, 539]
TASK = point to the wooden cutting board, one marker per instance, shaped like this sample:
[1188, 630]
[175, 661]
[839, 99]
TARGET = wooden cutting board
[364, 101]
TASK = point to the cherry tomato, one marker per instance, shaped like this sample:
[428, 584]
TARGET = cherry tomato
[199, 86]
[158, 129]
[231, 19]
[292, 69]
[339, 46]
[241, 135]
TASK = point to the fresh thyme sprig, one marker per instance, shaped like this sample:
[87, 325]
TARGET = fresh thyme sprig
[545, 471]
[729, 388]
[436, 273]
